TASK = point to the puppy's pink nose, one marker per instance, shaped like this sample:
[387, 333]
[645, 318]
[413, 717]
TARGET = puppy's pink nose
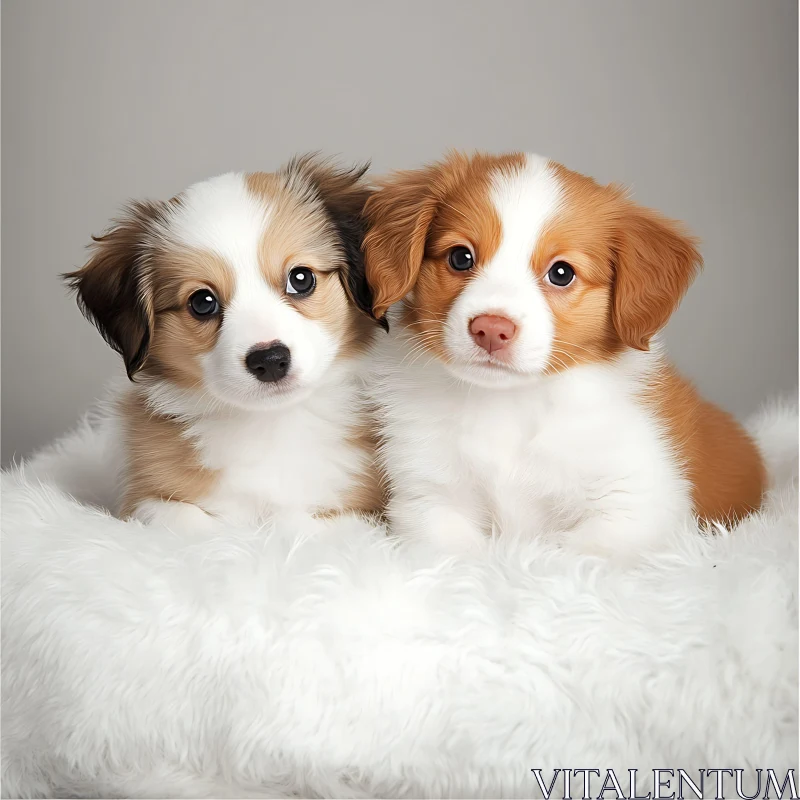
[492, 333]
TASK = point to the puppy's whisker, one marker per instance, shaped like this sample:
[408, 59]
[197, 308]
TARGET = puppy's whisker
[419, 353]
[566, 355]
[559, 363]
[410, 358]
[572, 344]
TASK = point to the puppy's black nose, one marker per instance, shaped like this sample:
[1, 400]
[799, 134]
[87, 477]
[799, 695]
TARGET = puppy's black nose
[270, 364]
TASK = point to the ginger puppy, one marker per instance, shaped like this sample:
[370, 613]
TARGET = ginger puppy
[241, 310]
[523, 387]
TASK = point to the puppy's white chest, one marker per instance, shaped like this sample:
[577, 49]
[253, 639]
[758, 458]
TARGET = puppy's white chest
[264, 462]
[514, 457]
[541, 456]
[493, 437]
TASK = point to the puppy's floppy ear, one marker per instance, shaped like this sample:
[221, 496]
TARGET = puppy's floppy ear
[113, 290]
[655, 261]
[344, 194]
[399, 215]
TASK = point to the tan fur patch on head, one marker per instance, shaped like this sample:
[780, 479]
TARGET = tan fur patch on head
[581, 234]
[299, 233]
[179, 339]
[632, 267]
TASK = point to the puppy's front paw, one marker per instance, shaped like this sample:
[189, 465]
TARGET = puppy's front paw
[622, 539]
[447, 529]
[177, 516]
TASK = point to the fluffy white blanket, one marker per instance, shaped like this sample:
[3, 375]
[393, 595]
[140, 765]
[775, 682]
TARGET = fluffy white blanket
[334, 662]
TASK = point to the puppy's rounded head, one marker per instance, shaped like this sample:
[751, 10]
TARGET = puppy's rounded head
[246, 289]
[514, 266]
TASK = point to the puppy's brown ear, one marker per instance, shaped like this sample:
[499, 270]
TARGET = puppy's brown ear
[655, 261]
[343, 193]
[113, 290]
[398, 216]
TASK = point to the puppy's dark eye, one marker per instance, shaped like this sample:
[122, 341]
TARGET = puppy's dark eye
[560, 274]
[203, 304]
[301, 281]
[461, 259]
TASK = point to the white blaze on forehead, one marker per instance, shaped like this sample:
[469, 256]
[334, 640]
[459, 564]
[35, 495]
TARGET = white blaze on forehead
[222, 215]
[525, 200]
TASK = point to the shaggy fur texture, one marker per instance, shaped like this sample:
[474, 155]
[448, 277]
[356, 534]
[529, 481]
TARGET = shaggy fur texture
[334, 662]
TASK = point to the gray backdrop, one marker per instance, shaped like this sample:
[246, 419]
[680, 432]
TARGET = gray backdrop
[694, 105]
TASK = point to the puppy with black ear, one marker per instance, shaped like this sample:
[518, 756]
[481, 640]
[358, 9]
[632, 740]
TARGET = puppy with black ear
[242, 313]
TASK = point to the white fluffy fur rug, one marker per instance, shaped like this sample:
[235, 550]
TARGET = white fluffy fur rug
[332, 662]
